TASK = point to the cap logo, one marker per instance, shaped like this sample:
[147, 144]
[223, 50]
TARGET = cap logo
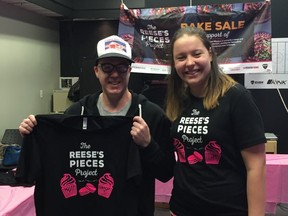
[115, 45]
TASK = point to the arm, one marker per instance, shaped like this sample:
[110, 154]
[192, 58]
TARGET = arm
[27, 125]
[255, 162]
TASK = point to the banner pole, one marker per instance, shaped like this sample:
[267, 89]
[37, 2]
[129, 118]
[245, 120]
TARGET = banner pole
[190, 2]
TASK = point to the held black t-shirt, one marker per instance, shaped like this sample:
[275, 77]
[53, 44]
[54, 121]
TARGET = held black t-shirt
[81, 165]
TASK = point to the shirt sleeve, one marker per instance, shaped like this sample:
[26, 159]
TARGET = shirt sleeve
[246, 118]
[29, 160]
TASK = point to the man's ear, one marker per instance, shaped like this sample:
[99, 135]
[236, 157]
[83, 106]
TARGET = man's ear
[96, 70]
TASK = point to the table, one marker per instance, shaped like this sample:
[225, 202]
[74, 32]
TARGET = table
[17, 201]
[276, 184]
[276, 181]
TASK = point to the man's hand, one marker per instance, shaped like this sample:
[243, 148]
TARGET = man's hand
[140, 132]
[27, 125]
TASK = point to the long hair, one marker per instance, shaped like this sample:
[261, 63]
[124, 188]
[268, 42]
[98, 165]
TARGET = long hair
[177, 91]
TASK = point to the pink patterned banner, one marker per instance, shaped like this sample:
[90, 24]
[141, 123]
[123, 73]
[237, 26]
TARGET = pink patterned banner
[240, 33]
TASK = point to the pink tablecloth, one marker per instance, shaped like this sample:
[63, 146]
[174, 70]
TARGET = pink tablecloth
[276, 183]
[17, 201]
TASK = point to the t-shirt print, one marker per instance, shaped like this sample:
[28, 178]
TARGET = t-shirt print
[212, 153]
[69, 186]
[82, 165]
[190, 145]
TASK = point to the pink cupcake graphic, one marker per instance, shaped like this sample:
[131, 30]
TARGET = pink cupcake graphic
[180, 150]
[88, 188]
[105, 185]
[68, 186]
[195, 158]
[212, 153]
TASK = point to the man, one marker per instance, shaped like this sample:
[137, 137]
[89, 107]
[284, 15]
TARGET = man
[150, 129]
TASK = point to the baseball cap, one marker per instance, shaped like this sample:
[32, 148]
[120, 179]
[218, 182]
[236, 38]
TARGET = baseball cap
[114, 46]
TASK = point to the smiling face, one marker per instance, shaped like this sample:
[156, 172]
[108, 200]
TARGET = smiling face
[113, 83]
[192, 61]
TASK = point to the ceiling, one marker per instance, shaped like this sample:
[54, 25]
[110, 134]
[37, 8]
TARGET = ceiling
[89, 9]
[95, 9]
[34, 8]
[74, 9]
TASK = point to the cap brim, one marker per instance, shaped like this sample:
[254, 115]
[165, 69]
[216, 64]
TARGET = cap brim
[114, 55]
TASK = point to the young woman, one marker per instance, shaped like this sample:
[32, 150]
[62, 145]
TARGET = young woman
[218, 135]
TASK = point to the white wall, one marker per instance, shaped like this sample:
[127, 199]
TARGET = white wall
[29, 62]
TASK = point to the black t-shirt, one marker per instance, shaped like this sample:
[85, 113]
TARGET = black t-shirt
[157, 159]
[81, 165]
[210, 175]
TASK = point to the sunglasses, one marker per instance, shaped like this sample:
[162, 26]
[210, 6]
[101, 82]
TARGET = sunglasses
[109, 68]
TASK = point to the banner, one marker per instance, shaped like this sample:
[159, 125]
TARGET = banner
[278, 77]
[266, 81]
[240, 34]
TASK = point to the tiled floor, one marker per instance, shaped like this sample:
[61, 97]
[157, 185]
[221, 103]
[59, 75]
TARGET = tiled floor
[161, 212]
[282, 210]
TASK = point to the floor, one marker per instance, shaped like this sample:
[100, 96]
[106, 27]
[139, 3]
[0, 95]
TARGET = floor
[161, 212]
[282, 210]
